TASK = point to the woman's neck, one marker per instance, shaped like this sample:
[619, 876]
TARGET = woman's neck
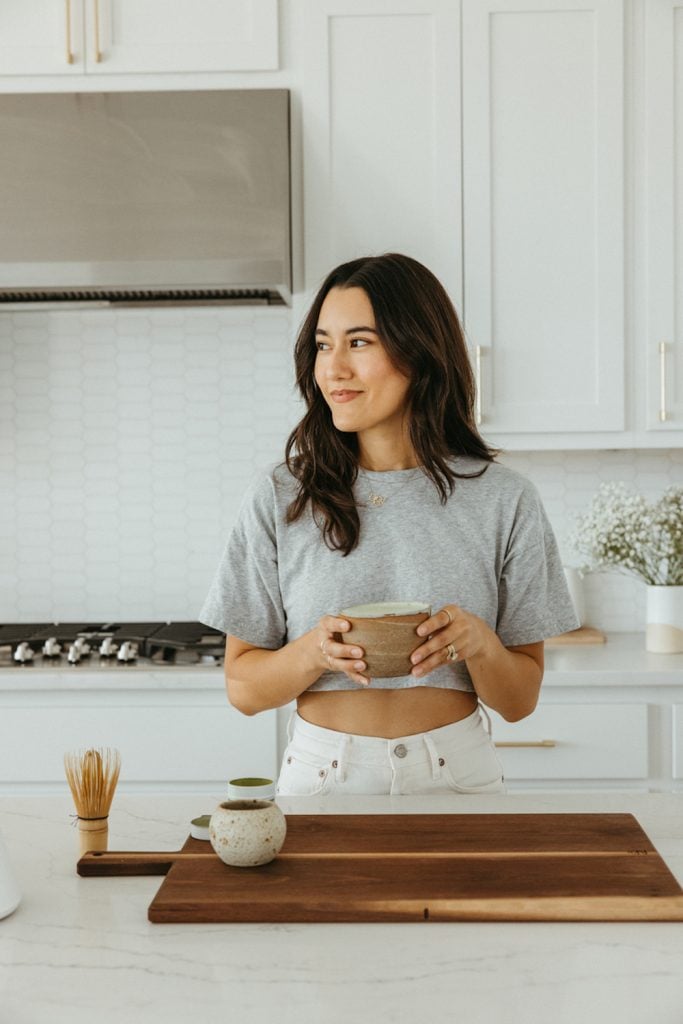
[384, 456]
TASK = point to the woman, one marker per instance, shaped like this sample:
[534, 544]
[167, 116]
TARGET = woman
[388, 493]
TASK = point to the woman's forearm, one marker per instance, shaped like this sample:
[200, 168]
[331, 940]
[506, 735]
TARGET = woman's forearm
[258, 680]
[507, 681]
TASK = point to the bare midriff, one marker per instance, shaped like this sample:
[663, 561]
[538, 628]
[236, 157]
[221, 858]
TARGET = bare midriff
[386, 713]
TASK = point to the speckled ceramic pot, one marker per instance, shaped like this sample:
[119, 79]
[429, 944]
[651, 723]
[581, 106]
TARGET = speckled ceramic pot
[246, 833]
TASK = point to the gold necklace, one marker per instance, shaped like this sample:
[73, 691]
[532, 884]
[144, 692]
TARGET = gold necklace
[375, 498]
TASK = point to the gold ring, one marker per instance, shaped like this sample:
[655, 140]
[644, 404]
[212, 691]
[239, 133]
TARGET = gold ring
[451, 653]
[450, 617]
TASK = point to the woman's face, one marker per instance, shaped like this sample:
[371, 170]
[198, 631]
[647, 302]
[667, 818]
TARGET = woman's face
[364, 390]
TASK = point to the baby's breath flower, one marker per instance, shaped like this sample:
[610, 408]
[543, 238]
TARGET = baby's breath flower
[621, 530]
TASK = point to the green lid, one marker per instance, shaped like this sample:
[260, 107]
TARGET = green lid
[250, 782]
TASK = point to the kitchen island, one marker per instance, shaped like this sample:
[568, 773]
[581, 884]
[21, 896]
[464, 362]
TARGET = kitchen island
[82, 949]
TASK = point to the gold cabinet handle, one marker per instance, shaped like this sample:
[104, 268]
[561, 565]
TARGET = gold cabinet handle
[528, 743]
[662, 382]
[477, 380]
[69, 51]
[98, 52]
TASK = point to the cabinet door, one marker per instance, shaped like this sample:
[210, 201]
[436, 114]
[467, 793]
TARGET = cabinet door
[167, 739]
[543, 212]
[382, 134]
[577, 741]
[43, 37]
[664, 175]
[188, 35]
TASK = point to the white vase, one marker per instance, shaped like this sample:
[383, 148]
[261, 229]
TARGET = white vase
[664, 617]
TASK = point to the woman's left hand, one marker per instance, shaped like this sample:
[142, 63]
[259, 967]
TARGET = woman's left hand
[454, 635]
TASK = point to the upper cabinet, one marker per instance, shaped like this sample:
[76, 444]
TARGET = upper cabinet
[100, 37]
[543, 201]
[663, 201]
[381, 111]
[530, 152]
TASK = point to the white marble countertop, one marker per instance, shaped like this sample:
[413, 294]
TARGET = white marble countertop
[80, 950]
[621, 661]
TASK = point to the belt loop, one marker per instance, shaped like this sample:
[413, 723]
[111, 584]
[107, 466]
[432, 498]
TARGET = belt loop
[340, 766]
[433, 756]
[290, 725]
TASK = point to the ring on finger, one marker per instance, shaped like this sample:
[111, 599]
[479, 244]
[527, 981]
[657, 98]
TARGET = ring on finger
[450, 617]
[451, 653]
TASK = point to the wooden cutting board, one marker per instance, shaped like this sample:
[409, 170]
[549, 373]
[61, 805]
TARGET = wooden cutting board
[582, 635]
[419, 867]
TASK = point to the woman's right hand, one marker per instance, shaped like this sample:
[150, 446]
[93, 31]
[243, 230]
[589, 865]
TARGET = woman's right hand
[336, 656]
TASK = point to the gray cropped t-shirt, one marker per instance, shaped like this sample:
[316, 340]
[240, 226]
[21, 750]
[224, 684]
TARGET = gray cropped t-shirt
[490, 549]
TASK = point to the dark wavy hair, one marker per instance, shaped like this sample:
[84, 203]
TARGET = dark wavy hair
[422, 336]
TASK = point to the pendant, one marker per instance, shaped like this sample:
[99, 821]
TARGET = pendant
[377, 499]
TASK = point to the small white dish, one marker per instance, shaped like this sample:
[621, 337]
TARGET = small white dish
[199, 827]
[251, 788]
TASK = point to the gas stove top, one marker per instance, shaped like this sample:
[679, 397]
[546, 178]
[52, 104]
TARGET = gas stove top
[70, 644]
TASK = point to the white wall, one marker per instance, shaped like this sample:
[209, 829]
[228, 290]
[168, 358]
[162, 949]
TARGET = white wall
[127, 439]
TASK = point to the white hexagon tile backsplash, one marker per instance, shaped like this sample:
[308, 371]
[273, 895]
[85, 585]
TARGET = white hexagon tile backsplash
[127, 439]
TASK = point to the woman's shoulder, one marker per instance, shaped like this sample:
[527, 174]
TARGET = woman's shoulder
[493, 477]
[272, 485]
[265, 486]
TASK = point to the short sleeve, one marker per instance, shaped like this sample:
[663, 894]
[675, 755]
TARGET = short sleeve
[244, 599]
[533, 599]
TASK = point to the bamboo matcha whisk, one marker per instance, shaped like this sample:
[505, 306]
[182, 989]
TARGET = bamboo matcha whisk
[92, 778]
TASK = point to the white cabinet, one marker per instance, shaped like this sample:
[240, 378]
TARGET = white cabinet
[543, 212]
[75, 37]
[43, 37]
[381, 110]
[575, 742]
[663, 199]
[182, 739]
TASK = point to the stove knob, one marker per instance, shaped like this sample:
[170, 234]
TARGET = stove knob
[75, 653]
[51, 648]
[23, 653]
[82, 644]
[128, 651]
[108, 648]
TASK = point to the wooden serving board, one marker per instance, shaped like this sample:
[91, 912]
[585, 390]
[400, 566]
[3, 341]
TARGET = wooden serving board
[582, 635]
[419, 867]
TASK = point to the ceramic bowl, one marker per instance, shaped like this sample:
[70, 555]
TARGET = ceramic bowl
[246, 833]
[251, 788]
[386, 631]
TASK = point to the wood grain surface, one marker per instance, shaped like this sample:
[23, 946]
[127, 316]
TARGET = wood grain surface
[419, 867]
[582, 635]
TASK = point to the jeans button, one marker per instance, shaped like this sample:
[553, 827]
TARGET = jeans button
[400, 750]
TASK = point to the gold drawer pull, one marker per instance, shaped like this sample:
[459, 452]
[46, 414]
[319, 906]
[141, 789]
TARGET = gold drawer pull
[477, 381]
[662, 382]
[98, 52]
[528, 743]
[69, 51]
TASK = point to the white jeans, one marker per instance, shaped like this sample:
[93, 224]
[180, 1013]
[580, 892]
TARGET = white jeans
[457, 758]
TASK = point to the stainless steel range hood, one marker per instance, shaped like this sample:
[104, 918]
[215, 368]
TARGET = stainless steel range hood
[141, 198]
